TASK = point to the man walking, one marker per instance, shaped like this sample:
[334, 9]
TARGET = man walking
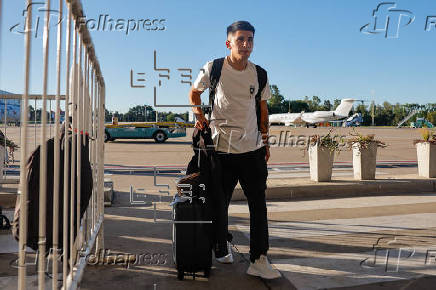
[239, 124]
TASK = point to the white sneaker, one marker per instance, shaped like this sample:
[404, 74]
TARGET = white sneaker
[262, 268]
[227, 259]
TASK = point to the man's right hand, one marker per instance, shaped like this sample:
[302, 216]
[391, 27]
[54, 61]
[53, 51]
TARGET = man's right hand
[201, 119]
[195, 99]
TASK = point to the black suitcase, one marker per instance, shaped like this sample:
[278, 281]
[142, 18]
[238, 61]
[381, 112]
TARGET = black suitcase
[192, 243]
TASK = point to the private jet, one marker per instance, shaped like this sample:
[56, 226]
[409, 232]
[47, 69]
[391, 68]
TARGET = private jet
[313, 118]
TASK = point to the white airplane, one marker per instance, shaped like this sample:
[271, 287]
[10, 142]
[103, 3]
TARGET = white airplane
[178, 119]
[313, 118]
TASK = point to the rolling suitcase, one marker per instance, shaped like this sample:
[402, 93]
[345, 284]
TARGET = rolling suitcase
[192, 243]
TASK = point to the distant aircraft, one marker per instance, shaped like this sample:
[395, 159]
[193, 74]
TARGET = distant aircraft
[313, 118]
[353, 121]
[13, 109]
[178, 119]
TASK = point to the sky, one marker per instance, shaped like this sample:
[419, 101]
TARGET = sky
[308, 47]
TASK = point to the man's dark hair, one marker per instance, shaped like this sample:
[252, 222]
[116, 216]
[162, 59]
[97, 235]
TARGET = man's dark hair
[240, 25]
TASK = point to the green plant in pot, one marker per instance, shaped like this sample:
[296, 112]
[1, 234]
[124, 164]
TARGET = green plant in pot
[321, 155]
[364, 149]
[426, 153]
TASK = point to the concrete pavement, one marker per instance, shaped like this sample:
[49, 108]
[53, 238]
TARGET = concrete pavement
[316, 244]
[385, 241]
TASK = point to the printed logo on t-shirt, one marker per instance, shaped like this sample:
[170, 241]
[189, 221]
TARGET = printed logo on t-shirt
[251, 90]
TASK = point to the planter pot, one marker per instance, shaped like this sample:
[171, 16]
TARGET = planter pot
[321, 163]
[426, 159]
[364, 161]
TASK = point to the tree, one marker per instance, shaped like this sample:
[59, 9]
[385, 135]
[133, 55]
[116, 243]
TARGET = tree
[314, 104]
[327, 105]
[150, 113]
[316, 101]
[431, 107]
[299, 106]
[431, 117]
[294, 106]
[119, 116]
[276, 101]
[366, 116]
[185, 116]
[170, 117]
[107, 115]
[386, 114]
[399, 113]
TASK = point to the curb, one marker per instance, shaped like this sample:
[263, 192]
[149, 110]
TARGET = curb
[343, 188]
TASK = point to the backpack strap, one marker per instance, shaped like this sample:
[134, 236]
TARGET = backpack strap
[214, 77]
[262, 79]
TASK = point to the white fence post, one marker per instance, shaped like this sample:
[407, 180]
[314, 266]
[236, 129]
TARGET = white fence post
[23, 152]
[84, 103]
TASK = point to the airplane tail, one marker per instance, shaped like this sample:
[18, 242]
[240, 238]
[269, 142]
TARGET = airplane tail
[344, 107]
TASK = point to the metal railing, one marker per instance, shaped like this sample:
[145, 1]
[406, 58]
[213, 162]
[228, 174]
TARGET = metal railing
[411, 114]
[84, 102]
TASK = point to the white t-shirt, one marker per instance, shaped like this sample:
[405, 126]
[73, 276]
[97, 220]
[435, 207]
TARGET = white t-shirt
[234, 119]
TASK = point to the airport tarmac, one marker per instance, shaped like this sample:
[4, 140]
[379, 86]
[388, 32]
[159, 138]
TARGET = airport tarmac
[178, 151]
[138, 158]
[149, 166]
[286, 145]
[286, 161]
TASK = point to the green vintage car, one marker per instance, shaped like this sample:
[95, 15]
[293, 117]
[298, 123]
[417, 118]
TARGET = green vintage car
[159, 131]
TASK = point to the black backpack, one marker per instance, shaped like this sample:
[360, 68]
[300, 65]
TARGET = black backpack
[32, 177]
[4, 221]
[215, 75]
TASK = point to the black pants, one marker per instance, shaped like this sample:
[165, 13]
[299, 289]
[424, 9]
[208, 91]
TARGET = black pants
[251, 171]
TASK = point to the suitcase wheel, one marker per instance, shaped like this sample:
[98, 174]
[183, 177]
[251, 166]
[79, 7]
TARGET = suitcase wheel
[207, 272]
[180, 275]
